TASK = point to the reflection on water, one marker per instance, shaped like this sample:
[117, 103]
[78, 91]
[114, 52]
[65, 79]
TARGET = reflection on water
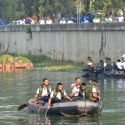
[18, 87]
[61, 120]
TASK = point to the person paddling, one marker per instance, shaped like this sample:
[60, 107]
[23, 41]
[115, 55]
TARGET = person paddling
[57, 95]
[43, 91]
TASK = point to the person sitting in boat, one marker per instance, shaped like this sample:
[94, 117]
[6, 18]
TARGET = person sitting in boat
[58, 95]
[89, 65]
[43, 91]
[100, 66]
[82, 92]
[123, 57]
[75, 87]
[119, 65]
[123, 65]
[92, 92]
[108, 65]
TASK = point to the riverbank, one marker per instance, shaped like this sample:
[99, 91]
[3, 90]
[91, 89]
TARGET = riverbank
[44, 63]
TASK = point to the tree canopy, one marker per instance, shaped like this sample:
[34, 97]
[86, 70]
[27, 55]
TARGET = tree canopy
[14, 9]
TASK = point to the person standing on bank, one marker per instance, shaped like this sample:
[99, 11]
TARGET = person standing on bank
[43, 91]
[62, 21]
[48, 21]
[57, 95]
[42, 21]
[120, 18]
[75, 87]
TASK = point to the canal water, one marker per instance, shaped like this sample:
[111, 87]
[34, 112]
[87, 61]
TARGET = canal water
[19, 86]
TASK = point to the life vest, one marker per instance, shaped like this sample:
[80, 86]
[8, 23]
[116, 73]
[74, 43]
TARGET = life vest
[81, 94]
[108, 65]
[55, 93]
[87, 65]
[89, 94]
[41, 90]
[100, 65]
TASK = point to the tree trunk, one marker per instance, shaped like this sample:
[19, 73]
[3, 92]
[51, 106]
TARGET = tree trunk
[86, 5]
[124, 11]
[113, 14]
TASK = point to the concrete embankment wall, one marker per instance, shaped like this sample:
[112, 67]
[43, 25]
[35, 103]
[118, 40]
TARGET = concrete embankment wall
[67, 41]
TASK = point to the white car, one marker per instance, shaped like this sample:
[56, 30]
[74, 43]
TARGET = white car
[97, 18]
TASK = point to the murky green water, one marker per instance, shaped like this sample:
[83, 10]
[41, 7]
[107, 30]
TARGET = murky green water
[18, 87]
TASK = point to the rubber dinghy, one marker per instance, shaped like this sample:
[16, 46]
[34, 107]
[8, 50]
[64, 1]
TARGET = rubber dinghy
[87, 73]
[119, 74]
[68, 108]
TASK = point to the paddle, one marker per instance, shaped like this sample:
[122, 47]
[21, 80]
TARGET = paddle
[27, 103]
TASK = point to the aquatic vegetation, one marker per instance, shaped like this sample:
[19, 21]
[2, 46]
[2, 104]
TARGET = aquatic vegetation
[8, 62]
[41, 62]
[21, 59]
[5, 59]
[69, 67]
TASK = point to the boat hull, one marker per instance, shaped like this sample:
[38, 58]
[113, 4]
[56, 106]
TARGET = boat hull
[97, 73]
[87, 73]
[80, 108]
[120, 75]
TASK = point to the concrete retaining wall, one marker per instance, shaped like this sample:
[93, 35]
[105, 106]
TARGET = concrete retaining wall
[66, 41]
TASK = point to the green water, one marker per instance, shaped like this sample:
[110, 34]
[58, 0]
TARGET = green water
[18, 87]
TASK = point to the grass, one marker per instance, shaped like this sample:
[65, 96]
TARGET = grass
[49, 64]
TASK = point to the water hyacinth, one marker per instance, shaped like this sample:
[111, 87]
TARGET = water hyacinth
[63, 67]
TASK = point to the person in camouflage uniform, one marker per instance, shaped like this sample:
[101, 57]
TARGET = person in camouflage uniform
[57, 95]
[43, 91]
[108, 65]
[82, 92]
[100, 66]
[89, 65]
[92, 91]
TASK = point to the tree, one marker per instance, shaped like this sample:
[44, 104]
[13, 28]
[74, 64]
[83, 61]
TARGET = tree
[13, 9]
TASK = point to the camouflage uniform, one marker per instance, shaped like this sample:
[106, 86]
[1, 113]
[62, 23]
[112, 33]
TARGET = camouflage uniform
[86, 65]
[109, 65]
[41, 89]
[82, 94]
[89, 94]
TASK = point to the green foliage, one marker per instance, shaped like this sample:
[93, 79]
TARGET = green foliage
[21, 59]
[38, 58]
[5, 59]
[14, 9]
[42, 61]
[9, 59]
[27, 29]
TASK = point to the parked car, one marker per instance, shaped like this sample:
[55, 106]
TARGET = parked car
[97, 18]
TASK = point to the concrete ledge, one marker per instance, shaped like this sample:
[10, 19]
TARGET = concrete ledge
[66, 27]
[79, 27]
[12, 28]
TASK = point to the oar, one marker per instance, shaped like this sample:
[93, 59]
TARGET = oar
[27, 103]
